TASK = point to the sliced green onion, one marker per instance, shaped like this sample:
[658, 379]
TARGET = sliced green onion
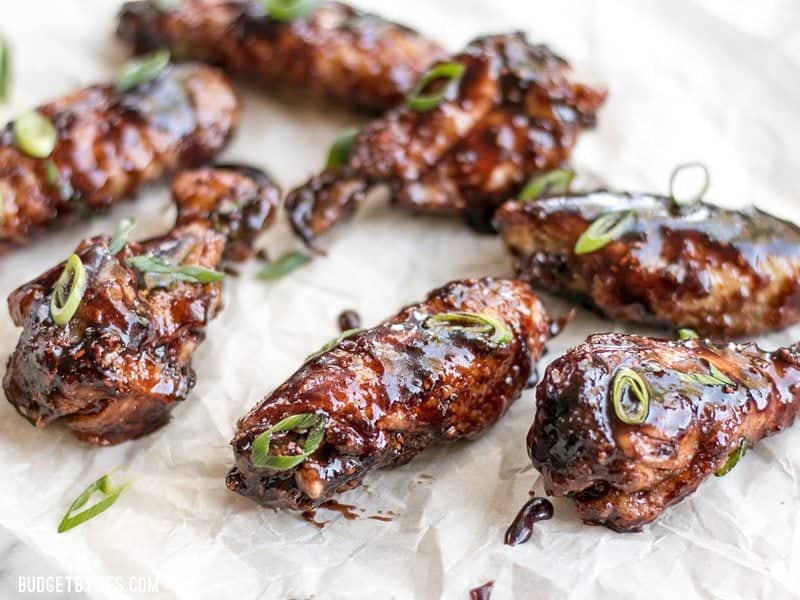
[289, 10]
[493, 330]
[140, 70]
[603, 230]
[687, 334]
[547, 184]
[191, 273]
[284, 265]
[102, 486]
[628, 379]
[419, 102]
[124, 229]
[341, 148]
[733, 459]
[35, 135]
[5, 69]
[334, 342]
[52, 173]
[313, 423]
[68, 291]
[713, 377]
[686, 199]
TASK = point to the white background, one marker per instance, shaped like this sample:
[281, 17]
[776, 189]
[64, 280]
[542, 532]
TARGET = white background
[710, 80]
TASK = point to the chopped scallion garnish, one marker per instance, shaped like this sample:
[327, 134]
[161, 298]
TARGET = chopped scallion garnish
[630, 413]
[450, 72]
[289, 10]
[687, 334]
[334, 342]
[481, 325]
[124, 229]
[342, 147]
[5, 69]
[682, 180]
[102, 486]
[35, 134]
[713, 377]
[283, 265]
[604, 230]
[68, 291]
[733, 459]
[313, 423]
[547, 184]
[140, 70]
[190, 273]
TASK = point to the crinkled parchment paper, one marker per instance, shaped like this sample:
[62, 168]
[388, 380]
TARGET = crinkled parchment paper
[691, 79]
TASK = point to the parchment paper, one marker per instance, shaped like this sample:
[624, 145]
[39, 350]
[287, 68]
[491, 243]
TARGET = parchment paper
[690, 80]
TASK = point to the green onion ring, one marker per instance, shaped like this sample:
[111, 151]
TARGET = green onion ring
[687, 334]
[493, 330]
[342, 147]
[35, 135]
[312, 422]
[103, 486]
[419, 102]
[703, 188]
[603, 230]
[68, 291]
[289, 10]
[142, 69]
[629, 379]
[553, 182]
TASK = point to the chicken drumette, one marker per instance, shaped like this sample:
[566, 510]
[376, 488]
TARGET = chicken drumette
[439, 371]
[508, 110]
[627, 426]
[721, 272]
[335, 51]
[114, 368]
[109, 142]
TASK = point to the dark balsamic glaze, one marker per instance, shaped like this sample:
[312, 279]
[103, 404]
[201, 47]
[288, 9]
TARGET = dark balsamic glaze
[536, 509]
[483, 592]
[349, 319]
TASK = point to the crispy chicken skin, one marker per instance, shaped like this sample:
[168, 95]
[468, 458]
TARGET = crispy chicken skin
[335, 52]
[390, 392]
[722, 272]
[514, 111]
[624, 476]
[109, 144]
[116, 369]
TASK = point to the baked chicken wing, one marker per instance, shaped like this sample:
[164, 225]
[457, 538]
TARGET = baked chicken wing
[439, 371]
[722, 272]
[108, 144]
[109, 335]
[627, 426]
[506, 109]
[336, 51]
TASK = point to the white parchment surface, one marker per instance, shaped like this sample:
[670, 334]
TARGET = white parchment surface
[710, 80]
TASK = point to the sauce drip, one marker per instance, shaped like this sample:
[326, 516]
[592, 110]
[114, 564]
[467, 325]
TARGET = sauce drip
[308, 516]
[536, 509]
[346, 510]
[483, 592]
[349, 319]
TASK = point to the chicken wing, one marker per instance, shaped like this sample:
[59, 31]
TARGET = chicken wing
[512, 111]
[439, 371]
[721, 272]
[336, 51]
[117, 367]
[627, 426]
[109, 143]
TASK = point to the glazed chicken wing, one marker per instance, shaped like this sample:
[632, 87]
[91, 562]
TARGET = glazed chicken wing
[335, 51]
[511, 112]
[439, 371]
[721, 272]
[627, 426]
[114, 370]
[111, 142]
